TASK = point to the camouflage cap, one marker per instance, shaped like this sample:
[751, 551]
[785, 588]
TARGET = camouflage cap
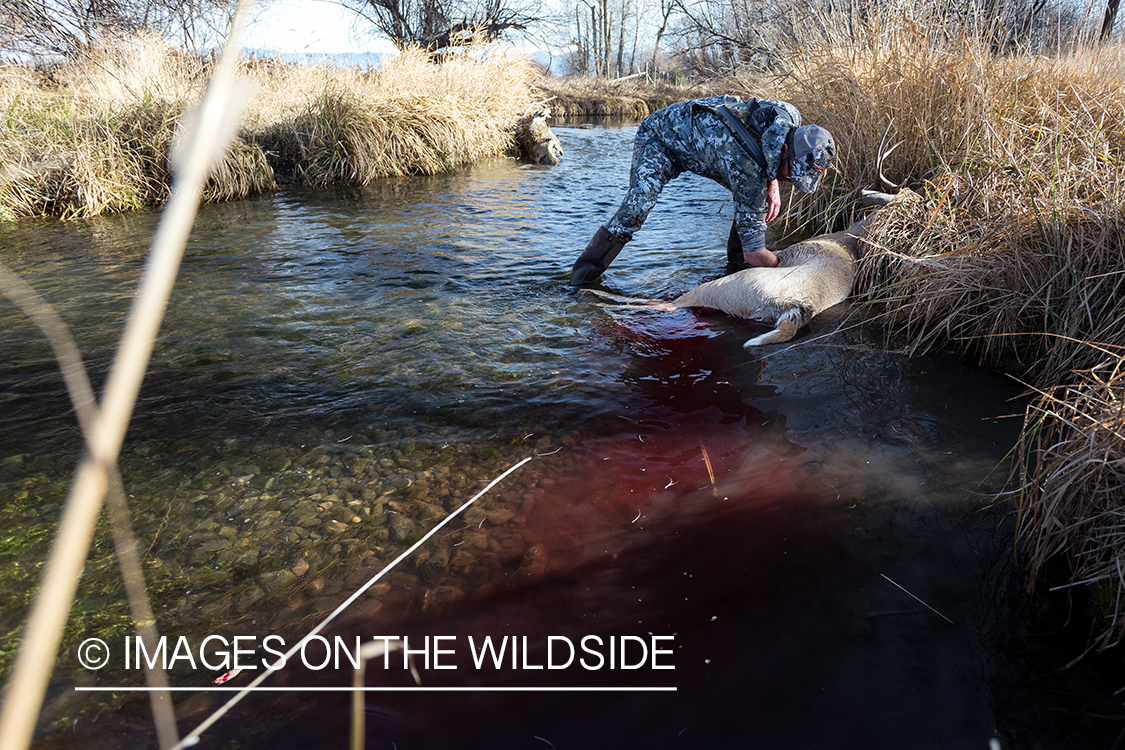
[813, 152]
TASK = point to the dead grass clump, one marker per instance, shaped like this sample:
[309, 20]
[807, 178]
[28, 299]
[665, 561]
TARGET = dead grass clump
[94, 136]
[1073, 448]
[91, 135]
[329, 125]
[414, 115]
[907, 106]
[62, 161]
[119, 160]
[1016, 259]
[242, 171]
[1016, 280]
[113, 160]
[1019, 257]
[347, 139]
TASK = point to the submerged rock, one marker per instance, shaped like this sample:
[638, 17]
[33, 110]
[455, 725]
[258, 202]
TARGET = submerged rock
[282, 532]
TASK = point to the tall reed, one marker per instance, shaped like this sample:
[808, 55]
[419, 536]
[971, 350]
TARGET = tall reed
[1016, 260]
[92, 135]
[205, 138]
[414, 115]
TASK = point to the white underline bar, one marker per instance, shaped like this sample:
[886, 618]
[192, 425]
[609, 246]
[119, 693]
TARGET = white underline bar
[216, 689]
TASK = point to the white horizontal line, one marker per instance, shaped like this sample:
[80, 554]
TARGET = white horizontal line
[215, 689]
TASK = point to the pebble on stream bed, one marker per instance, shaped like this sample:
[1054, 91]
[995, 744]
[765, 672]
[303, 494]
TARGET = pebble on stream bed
[266, 534]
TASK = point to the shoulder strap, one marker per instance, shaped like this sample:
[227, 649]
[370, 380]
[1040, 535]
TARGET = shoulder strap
[745, 139]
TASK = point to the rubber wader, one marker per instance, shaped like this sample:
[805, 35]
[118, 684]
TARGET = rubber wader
[597, 256]
[734, 249]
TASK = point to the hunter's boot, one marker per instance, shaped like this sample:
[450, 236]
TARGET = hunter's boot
[597, 256]
[735, 260]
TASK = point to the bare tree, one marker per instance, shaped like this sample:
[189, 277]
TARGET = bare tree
[722, 34]
[667, 8]
[435, 24]
[196, 22]
[718, 34]
[64, 27]
[601, 28]
[60, 26]
[1010, 25]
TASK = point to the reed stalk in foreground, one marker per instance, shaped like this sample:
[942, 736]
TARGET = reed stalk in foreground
[94, 137]
[85, 407]
[98, 141]
[203, 144]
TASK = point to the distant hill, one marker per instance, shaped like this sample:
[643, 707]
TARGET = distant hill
[363, 59]
[338, 59]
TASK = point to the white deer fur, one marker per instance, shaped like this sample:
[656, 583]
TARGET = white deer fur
[810, 277]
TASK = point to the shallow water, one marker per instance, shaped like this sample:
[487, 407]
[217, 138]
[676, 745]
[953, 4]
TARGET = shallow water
[337, 370]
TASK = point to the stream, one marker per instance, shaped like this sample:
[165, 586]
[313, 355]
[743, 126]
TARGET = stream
[792, 546]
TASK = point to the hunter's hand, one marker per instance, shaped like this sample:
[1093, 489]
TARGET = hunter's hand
[773, 201]
[760, 259]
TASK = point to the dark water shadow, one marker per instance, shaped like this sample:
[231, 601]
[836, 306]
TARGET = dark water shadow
[426, 323]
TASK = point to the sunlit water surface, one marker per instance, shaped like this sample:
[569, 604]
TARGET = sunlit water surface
[829, 587]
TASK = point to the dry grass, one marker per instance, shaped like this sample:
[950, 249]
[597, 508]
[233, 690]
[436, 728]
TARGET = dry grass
[1071, 505]
[128, 70]
[345, 139]
[93, 135]
[1021, 160]
[412, 116]
[1015, 260]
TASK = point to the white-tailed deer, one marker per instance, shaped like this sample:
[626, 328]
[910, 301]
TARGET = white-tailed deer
[811, 276]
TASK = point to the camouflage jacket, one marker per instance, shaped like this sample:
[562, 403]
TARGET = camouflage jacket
[697, 140]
